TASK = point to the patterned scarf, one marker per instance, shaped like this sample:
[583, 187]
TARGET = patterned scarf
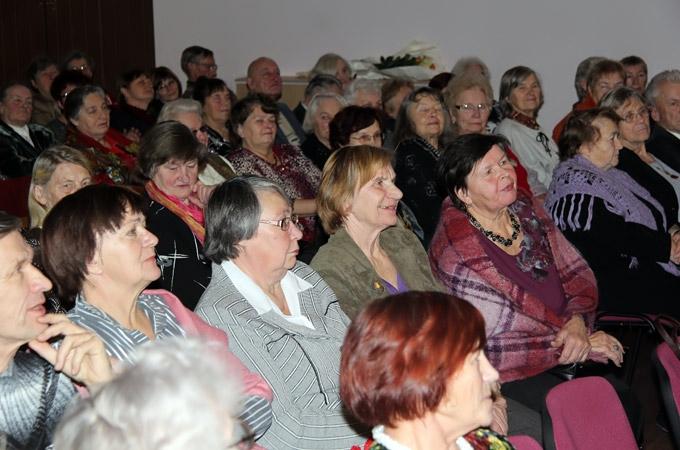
[524, 120]
[190, 214]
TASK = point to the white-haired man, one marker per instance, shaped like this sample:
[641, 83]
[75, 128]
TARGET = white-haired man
[663, 96]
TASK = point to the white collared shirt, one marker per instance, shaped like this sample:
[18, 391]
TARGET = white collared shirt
[677, 135]
[291, 285]
[24, 133]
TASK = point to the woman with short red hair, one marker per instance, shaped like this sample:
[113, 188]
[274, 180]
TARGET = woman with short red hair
[414, 369]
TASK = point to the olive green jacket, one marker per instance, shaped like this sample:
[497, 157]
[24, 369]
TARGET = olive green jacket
[349, 273]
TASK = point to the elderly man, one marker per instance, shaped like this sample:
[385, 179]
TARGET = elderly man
[320, 84]
[663, 96]
[196, 62]
[33, 393]
[605, 75]
[20, 142]
[264, 77]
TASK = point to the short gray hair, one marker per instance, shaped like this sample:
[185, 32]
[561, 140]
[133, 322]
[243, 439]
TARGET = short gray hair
[308, 123]
[172, 109]
[582, 71]
[327, 65]
[618, 97]
[667, 76]
[462, 65]
[179, 394]
[233, 215]
[362, 84]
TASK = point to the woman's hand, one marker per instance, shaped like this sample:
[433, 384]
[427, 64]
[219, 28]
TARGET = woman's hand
[200, 194]
[133, 134]
[81, 354]
[675, 246]
[573, 339]
[499, 422]
[608, 346]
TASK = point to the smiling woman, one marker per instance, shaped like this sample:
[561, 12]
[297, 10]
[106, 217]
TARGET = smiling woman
[368, 255]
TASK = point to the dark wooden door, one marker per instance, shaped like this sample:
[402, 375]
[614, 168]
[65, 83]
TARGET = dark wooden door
[117, 34]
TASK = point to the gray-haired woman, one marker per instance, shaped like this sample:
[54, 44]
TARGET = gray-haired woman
[284, 321]
[322, 108]
[521, 97]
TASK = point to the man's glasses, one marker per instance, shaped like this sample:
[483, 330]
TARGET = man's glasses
[284, 223]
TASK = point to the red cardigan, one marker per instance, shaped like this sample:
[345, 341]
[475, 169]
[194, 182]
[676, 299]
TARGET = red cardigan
[519, 327]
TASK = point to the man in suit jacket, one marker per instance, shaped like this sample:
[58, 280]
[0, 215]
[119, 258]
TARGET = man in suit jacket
[663, 95]
[264, 77]
[20, 142]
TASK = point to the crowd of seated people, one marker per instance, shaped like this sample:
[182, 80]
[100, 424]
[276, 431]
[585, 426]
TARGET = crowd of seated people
[324, 252]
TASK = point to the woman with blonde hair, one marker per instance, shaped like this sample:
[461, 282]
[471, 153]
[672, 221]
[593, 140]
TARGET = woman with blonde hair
[57, 172]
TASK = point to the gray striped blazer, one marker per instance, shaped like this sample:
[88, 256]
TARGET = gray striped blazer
[300, 364]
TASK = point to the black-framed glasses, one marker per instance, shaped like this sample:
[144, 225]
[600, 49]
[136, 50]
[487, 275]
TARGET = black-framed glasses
[284, 223]
[244, 438]
[470, 107]
[545, 142]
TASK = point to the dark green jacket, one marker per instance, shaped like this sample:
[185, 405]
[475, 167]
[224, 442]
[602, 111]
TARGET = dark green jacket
[349, 273]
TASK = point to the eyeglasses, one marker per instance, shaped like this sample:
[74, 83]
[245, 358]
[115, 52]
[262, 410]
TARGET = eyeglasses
[244, 435]
[634, 115]
[366, 139]
[80, 68]
[284, 223]
[209, 66]
[545, 142]
[469, 107]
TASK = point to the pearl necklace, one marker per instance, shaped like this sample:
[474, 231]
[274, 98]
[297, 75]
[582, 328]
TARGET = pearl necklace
[494, 236]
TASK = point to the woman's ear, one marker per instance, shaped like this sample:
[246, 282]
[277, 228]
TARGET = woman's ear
[463, 195]
[95, 266]
[239, 131]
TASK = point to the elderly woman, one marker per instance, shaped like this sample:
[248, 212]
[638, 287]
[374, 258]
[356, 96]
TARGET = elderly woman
[213, 95]
[661, 180]
[365, 92]
[114, 156]
[135, 112]
[521, 97]
[166, 85]
[254, 119]
[437, 400]
[367, 256]
[422, 128]
[170, 159]
[332, 64]
[356, 125]
[98, 252]
[320, 112]
[178, 394]
[41, 72]
[190, 114]
[283, 319]
[20, 142]
[500, 251]
[469, 99]
[616, 224]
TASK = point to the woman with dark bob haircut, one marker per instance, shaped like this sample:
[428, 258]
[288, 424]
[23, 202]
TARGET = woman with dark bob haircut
[617, 225]
[283, 319]
[498, 249]
[137, 109]
[98, 251]
[254, 120]
[413, 398]
[170, 159]
[215, 99]
[356, 125]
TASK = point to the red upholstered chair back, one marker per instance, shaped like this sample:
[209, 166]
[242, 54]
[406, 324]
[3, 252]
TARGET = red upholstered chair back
[586, 414]
[14, 196]
[667, 367]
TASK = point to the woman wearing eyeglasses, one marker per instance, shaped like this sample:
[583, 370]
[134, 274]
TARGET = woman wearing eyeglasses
[469, 98]
[662, 181]
[283, 320]
[170, 158]
[254, 120]
[521, 98]
[367, 256]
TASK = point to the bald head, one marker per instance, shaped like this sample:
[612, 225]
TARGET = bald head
[264, 77]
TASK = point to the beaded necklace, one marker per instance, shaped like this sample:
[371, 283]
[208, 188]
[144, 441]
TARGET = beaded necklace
[506, 242]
